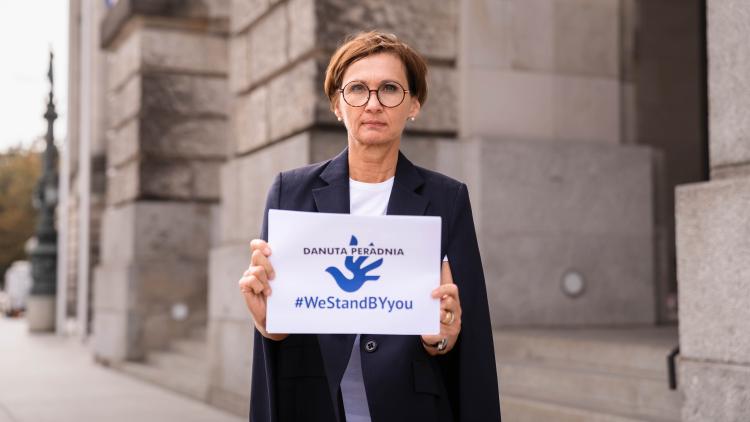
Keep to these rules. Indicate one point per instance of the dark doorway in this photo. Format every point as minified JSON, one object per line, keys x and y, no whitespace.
{"x":671,"y":113}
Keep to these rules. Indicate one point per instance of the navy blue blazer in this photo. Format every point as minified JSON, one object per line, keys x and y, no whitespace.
{"x":298,"y":378}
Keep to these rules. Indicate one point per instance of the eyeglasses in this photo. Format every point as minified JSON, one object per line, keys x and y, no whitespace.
{"x":390,"y":94}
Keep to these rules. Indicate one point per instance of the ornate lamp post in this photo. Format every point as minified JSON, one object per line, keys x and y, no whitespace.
{"x":41,"y":305}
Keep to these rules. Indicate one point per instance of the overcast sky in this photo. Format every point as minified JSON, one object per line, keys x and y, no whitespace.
{"x":28,"y":29}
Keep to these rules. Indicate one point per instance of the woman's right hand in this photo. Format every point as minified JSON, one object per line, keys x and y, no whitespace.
{"x":255,"y":286}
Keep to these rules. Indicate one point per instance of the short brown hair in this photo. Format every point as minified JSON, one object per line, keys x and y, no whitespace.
{"x":373,"y":42}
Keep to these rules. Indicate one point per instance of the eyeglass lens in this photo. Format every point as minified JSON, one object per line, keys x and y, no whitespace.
{"x":390,"y":94}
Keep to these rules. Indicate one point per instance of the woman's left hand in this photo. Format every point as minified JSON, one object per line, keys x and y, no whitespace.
{"x":450,"y":313}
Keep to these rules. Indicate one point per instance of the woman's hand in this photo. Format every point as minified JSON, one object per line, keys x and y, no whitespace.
{"x":450,"y":313}
{"x":255,"y":286}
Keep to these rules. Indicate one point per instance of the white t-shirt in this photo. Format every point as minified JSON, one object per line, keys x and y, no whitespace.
{"x":364,"y":199}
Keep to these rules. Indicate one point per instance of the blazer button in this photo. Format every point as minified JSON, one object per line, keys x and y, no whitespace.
{"x":371,"y":346}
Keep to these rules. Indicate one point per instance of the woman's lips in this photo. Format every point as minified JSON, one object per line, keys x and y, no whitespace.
{"x":373,"y":123}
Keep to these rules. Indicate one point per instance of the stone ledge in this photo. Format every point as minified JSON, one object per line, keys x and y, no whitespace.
{"x":207,"y":14}
{"x":431,"y":30}
{"x":732,"y":171}
{"x":201,"y":138}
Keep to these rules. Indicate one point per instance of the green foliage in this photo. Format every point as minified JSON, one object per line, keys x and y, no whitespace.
{"x":20,"y":170}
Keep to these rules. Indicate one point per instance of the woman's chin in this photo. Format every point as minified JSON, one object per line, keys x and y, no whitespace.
{"x":378,"y":140}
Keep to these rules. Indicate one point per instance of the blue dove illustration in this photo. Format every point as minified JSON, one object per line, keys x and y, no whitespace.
{"x":359,"y":273}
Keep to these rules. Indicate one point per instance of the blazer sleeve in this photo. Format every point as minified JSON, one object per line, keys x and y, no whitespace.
{"x":263,"y":384}
{"x":469,"y":368}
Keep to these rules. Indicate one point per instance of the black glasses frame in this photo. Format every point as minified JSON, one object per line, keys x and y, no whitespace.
{"x":377,"y":93}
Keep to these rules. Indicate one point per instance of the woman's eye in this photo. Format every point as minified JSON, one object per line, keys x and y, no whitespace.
{"x":357,"y":88}
{"x":389,"y":88}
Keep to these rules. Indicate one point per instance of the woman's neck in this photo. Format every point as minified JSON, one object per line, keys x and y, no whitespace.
{"x":372,"y":163}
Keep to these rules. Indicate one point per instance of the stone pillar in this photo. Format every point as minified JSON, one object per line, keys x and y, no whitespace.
{"x":713,"y":235}
{"x":280,"y":119}
{"x":166,"y":140}
{"x":559,"y":190}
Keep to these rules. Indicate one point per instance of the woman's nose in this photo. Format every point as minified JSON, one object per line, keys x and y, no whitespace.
{"x":373,"y":103}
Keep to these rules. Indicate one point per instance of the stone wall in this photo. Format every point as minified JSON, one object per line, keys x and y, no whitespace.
{"x":166,"y":139}
{"x":280,"y":119}
{"x":713,"y":236}
{"x":557,"y":187}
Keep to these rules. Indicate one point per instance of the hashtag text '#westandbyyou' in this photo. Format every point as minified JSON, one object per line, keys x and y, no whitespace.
{"x":368,"y":302}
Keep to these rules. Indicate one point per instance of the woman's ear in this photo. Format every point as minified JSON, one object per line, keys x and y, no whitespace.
{"x":337,"y":110}
{"x":414,"y":109}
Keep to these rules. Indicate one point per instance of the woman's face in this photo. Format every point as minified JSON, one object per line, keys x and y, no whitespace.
{"x":373,"y":123}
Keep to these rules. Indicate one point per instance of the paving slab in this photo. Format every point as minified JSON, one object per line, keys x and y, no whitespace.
{"x":44,"y":377}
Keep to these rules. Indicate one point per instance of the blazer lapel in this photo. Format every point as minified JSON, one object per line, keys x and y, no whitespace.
{"x":404,"y":200}
{"x":335,"y":196}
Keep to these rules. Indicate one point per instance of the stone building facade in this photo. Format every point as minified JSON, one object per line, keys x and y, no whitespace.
{"x":713,"y":235}
{"x":570,"y":120}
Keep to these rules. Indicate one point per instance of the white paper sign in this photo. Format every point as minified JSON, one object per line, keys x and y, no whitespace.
{"x":349,"y":274}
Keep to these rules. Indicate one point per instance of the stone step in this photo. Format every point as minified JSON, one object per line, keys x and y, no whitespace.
{"x":609,"y":391}
{"x":190,"y":347}
{"x":617,"y":372}
{"x":178,"y":363}
{"x":641,"y":351}
{"x":183,"y":368}
{"x":185,"y":383}
{"x":524,"y":409}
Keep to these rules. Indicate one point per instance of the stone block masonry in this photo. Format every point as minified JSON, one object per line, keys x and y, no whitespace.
{"x":713,"y":236}
{"x":167,"y":139}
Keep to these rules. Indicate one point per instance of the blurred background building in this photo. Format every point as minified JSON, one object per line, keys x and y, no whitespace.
{"x":572,"y":121}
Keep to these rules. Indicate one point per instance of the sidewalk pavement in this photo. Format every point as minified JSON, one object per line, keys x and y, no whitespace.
{"x":44,"y":378}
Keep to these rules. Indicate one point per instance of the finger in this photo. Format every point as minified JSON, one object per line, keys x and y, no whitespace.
{"x":257,"y":272}
{"x":446,"y":290}
{"x":431,"y":338}
{"x":244,"y":284}
{"x":445,"y":315}
{"x":260,"y":273}
{"x":256,"y":285}
{"x":258,"y":259}
{"x":449,"y":304}
{"x":251,"y":285}
{"x":260,"y":245}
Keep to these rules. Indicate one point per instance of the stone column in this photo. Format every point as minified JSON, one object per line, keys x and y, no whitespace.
{"x":559,"y":190}
{"x":713,"y":235}
{"x":166,"y":139}
{"x":280,"y":119}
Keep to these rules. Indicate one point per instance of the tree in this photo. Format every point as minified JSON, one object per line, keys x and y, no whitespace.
{"x":20,"y":170}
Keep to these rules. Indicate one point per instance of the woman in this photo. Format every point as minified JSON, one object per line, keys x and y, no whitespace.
{"x":376,"y":84}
